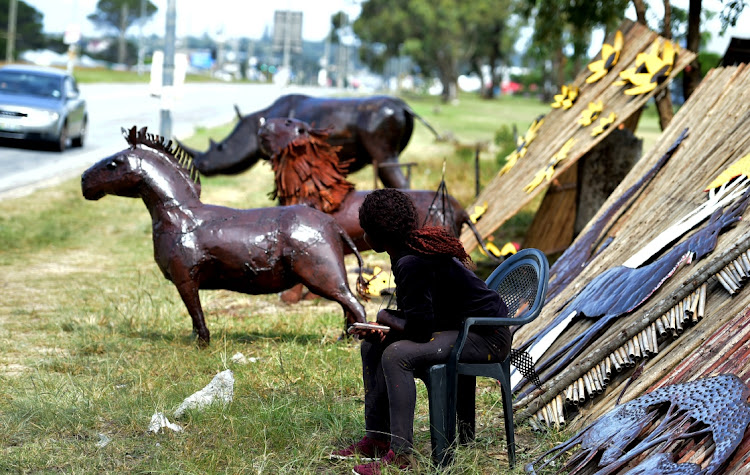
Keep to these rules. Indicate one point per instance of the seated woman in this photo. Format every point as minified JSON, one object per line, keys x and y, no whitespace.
{"x":435,"y":291}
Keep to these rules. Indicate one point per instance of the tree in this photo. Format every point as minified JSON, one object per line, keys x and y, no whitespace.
{"x":340,"y":27}
{"x":119,"y":16}
{"x":730,"y":13}
{"x":493,"y":36}
{"x":561,"y":25}
{"x":28,"y":27}
{"x":440,"y":36}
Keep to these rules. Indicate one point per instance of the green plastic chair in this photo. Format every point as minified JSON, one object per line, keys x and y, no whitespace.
{"x":521,"y":280}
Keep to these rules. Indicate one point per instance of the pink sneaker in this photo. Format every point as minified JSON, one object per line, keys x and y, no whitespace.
{"x":403,"y":462}
{"x":366,"y":450}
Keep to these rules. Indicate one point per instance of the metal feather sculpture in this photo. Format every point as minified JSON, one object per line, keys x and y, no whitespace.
{"x":622,"y":289}
{"x":577,"y":256}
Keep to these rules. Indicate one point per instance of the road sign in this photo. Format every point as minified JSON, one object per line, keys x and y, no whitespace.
{"x":287,"y":31}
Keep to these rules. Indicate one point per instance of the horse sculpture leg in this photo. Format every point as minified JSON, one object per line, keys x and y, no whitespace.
{"x":333,"y":286}
{"x":189,"y":293}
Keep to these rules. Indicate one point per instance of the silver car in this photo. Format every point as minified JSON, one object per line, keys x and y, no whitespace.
{"x":41,"y":104}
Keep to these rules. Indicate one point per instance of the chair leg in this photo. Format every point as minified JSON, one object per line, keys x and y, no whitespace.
{"x":507,"y":395}
{"x":437,"y":390}
{"x":466,"y":407}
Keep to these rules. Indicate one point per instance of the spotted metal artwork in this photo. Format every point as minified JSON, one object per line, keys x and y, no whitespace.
{"x":687,"y":428}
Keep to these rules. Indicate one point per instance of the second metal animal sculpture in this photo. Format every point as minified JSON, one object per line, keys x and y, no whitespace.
{"x":307,"y":171}
{"x":200,"y":246}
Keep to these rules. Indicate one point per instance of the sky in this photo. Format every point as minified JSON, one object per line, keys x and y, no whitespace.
{"x":223,"y":17}
{"x":196,"y":17}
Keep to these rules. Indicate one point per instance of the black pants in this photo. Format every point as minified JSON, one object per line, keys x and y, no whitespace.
{"x":388,"y":373}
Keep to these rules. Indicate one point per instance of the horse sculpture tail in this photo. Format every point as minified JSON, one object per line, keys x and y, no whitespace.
{"x":426,"y":124}
{"x":361,"y":282}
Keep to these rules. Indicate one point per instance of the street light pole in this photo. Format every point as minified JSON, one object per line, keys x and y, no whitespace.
{"x":167,"y":89}
{"x":142,"y":15}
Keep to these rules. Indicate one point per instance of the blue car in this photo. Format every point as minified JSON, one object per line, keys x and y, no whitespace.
{"x":41,"y":104}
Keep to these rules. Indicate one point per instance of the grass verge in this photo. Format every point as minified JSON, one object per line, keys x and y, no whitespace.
{"x":95,"y":340}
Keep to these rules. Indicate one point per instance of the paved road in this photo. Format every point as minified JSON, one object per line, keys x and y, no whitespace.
{"x":24,"y":167}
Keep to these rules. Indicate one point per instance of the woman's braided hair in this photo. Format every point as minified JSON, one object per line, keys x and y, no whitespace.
{"x":389,"y":215}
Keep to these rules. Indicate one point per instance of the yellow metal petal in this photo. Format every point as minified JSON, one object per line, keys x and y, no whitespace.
{"x":538,"y":179}
{"x":619,"y":41}
{"x":508,"y":248}
{"x":669,"y":53}
{"x":596,"y":76}
{"x":596,"y":66}
{"x":641,"y":89}
{"x":654,"y":63}
{"x":572,"y":93}
{"x":510,"y":161}
{"x":740,"y":167}
{"x":478,"y":212}
{"x":641,"y":79}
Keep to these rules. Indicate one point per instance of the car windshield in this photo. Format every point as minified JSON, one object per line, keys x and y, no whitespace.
{"x":29,"y":83}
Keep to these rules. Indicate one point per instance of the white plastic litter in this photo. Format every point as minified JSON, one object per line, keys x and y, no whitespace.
{"x":160,"y":421}
{"x":103,"y":440}
{"x":239,"y":358}
{"x":220,"y":389}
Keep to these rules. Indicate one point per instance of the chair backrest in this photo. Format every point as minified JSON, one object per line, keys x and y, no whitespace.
{"x":521,"y":281}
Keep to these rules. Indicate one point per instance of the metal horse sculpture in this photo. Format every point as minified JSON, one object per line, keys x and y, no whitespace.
{"x":200,"y":246}
{"x":308,"y":171}
{"x":654,"y":427}
{"x":369,"y":130}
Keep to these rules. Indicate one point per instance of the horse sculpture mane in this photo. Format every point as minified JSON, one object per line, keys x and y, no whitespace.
{"x":167,"y":149}
{"x":307,"y":171}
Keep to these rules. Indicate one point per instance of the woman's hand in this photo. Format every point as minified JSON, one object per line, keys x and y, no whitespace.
{"x":368,"y":334}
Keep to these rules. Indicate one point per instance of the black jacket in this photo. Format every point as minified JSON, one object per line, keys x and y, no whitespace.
{"x":436,"y":293}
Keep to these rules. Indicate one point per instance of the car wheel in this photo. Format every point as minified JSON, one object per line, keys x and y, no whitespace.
{"x":62,"y":139}
{"x":79,"y":141}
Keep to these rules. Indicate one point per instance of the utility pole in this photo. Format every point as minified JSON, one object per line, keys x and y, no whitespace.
{"x":10,"y":42}
{"x":141,"y":51}
{"x":167,"y":89}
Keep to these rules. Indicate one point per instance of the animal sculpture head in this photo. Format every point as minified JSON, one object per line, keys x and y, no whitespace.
{"x":126,"y":172}
{"x":307,"y":168}
{"x":236,"y":153}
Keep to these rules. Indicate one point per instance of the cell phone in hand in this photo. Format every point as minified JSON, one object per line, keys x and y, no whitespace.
{"x":369,"y":326}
